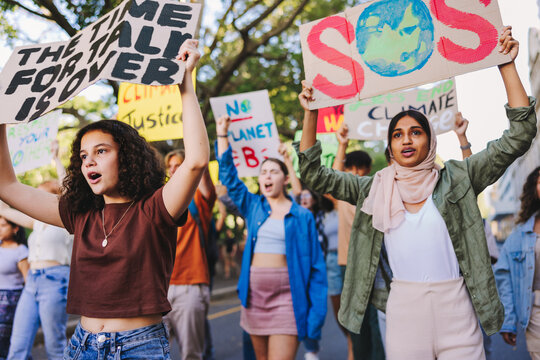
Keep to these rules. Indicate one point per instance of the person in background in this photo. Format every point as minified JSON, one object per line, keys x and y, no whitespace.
{"x":282,"y":283}
{"x":460,"y":129}
{"x":367,"y":344}
{"x":13,"y":270}
{"x":518,"y":271}
{"x":189,"y":290}
{"x":44,"y":297}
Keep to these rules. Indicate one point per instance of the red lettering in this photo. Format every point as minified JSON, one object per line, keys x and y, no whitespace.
{"x":124,"y":98}
{"x":334,"y":57}
{"x":249,"y":156}
{"x":137,"y":96}
{"x":464,"y":21}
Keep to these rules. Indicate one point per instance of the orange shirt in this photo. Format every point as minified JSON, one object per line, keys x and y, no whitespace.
{"x":190,"y":265}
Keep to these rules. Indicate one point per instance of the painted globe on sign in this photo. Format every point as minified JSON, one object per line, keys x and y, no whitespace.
{"x":395,"y":37}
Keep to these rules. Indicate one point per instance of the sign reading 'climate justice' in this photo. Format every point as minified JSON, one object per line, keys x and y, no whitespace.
{"x":136,"y":42}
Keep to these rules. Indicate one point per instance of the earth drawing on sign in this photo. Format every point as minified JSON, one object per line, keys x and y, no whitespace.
{"x":395,"y":37}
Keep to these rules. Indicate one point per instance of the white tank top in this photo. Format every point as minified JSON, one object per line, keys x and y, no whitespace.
{"x":420,"y":248}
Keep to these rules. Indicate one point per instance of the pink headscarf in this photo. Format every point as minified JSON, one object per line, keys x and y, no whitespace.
{"x":396,"y":184}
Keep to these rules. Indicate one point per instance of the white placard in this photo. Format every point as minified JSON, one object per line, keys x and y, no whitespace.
{"x":369,"y":119}
{"x":30,"y":144}
{"x":253,"y":134}
{"x":136,"y":42}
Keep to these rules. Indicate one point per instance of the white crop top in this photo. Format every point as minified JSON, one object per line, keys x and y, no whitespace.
{"x":420,"y":248}
{"x":271,"y":237}
{"x":49,"y":243}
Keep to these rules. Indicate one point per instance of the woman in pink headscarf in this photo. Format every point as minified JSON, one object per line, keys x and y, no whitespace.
{"x":441,"y":284}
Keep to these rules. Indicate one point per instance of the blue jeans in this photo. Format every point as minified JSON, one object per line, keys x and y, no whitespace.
{"x":146,"y":343}
{"x":311,"y":345}
{"x":43,"y":302}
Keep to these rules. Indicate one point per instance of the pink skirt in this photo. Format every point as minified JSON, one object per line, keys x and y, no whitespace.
{"x":270,"y":309}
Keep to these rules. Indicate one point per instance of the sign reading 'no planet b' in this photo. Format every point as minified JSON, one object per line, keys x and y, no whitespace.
{"x":388,"y":45}
{"x":136,"y":42}
{"x":253,"y":134}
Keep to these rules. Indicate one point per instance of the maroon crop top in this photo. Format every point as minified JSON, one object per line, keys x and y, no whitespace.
{"x":130,"y":276}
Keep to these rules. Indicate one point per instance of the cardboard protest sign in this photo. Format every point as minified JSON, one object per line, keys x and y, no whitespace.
{"x":30,"y":144}
{"x":388,"y":45}
{"x":253,"y":133}
{"x":213,"y":169}
{"x":369,"y":119}
{"x":136,"y":42}
{"x":329,"y":119}
{"x":329,"y":146}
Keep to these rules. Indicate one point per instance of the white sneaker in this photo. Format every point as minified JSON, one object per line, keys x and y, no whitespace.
{"x":311,"y":356}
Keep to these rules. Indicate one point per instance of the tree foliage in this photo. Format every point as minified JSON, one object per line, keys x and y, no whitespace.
{"x":248,"y":45}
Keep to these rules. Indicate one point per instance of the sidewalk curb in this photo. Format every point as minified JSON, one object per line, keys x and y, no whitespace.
{"x":217,"y":294}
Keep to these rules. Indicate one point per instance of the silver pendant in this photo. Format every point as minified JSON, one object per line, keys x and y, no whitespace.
{"x":104,"y":242}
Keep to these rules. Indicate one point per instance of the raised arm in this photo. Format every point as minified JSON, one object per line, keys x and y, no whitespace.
{"x":237,"y":190}
{"x":341,"y":185}
{"x":296,"y":185}
{"x":461,"y":131}
{"x":35,"y":203}
{"x":16,"y":216}
{"x":179,"y":190}
{"x":342,"y":136}
{"x":485,"y":167}
{"x":309,"y":129}
{"x":60,"y":169}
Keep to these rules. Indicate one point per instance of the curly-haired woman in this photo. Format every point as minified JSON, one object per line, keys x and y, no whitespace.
{"x":518,"y":270}
{"x":13,"y":270}
{"x":124,"y":221}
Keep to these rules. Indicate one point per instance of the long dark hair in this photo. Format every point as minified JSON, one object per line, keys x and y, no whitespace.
{"x":530,"y":198}
{"x":20,"y":235}
{"x":140,"y":171}
{"x":416,"y":115}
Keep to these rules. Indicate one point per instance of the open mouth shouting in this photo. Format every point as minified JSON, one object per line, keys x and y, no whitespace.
{"x":93,"y":177}
{"x":408,"y":152}
{"x":268,"y":187}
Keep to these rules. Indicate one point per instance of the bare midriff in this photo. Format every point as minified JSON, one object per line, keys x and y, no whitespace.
{"x":43,"y":264}
{"x":95,"y":325}
{"x":269,"y":260}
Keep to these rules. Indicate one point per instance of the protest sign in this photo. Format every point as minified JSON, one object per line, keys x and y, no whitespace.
{"x":30,"y":144}
{"x":213,"y":169}
{"x":369,"y":119}
{"x":388,"y":45}
{"x":136,"y":42}
{"x":329,"y":119}
{"x":154,"y":111}
{"x":329,"y":146}
{"x":253,"y":133}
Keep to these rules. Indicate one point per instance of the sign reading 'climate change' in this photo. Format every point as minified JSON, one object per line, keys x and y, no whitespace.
{"x":136,"y":42}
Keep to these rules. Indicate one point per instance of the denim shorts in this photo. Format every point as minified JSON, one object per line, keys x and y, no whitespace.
{"x":333,"y":272}
{"x":146,"y":343}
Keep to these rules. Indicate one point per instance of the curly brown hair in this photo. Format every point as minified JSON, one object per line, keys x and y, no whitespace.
{"x":530,"y":199}
{"x":140,"y":171}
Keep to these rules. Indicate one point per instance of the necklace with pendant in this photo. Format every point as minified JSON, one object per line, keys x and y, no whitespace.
{"x":105,"y":241}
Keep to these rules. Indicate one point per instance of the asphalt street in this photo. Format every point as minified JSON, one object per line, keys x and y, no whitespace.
{"x":224,"y":319}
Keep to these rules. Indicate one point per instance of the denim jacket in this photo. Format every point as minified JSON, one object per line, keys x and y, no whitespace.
{"x":305,"y":261}
{"x":455,"y":195}
{"x":514,"y":273}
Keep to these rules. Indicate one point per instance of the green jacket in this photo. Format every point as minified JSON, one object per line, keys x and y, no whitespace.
{"x":455,"y":195}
